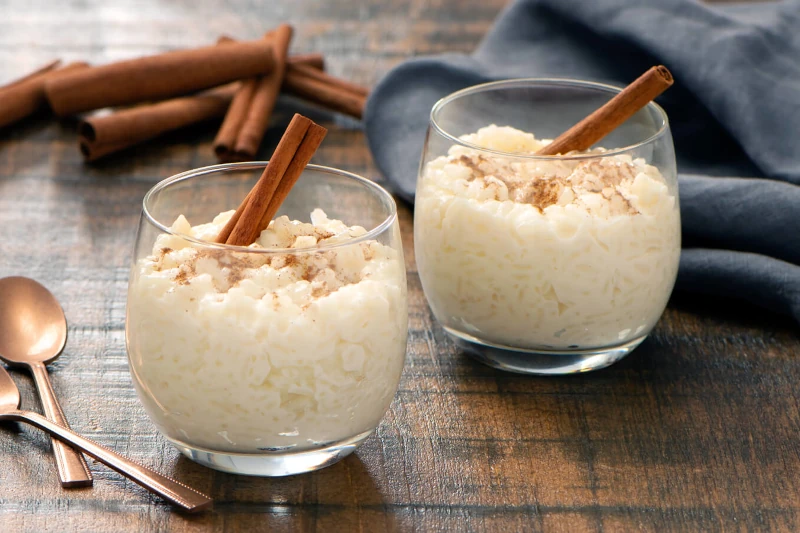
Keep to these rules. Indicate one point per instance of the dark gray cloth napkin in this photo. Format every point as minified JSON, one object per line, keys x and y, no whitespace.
{"x":734,"y":112}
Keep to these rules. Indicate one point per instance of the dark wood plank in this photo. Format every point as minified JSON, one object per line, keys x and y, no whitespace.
{"x":695,"y":431}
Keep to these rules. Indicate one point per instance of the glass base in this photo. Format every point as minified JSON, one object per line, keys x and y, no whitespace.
{"x":272,"y":464}
{"x":541,"y":362}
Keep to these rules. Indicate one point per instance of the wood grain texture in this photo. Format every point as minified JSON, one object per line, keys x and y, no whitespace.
{"x":697,"y":430}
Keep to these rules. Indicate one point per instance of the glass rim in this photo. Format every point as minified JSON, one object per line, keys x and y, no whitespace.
{"x":509,"y":83}
{"x":381,"y":193}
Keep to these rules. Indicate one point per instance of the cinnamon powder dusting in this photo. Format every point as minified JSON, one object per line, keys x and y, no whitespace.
{"x":315,"y":268}
{"x":233,"y":264}
{"x":542,"y":193}
{"x":318,"y":272}
{"x":185,"y":274}
{"x":474,"y":165}
{"x":533,"y":186}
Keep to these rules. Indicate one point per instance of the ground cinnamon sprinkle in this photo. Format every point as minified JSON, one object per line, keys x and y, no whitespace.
{"x":602,"y":176}
{"x":542,"y":193}
{"x":185,"y":274}
{"x":289,"y":260}
{"x":237,"y":267}
{"x":271,"y":265}
{"x":309,"y":273}
{"x":319,"y":291}
{"x":161,"y":255}
{"x":473,"y":165}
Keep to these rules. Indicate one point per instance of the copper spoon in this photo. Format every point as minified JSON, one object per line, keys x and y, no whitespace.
{"x":33,"y":331}
{"x":169,"y":489}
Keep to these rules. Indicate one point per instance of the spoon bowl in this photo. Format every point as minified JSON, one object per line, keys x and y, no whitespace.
{"x":33,"y":328}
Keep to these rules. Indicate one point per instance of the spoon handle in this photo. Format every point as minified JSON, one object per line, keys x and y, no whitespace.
{"x":169,"y":489}
{"x":72,"y":468}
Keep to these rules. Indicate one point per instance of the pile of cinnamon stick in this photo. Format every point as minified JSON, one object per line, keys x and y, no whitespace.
{"x":238,"y":82}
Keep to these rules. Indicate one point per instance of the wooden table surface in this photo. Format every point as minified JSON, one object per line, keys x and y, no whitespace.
{"x":697,"y":430}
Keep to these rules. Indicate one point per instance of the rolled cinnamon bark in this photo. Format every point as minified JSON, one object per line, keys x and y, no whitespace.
{"x":264,"y":97}
{"x":225,"y":141}
{"x":94,"y":151}
{"x":305,"y":151}
{"x":313,"y":60}
{"x":26,"y":95}
{"x":247,"y":226}
{"x":157,"y":77}
{"x":226,"y":136}
{"x":100,"y":136}
{"x":311,"y":141}
{"x":327,"y":92}
{"x":323,"y":77}
{"x":612,"y":114}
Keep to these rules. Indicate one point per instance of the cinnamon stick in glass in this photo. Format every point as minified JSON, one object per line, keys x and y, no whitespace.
{"x":246,"y":230}
{"x":103,"y":135}
{"x":305,"y":151}
{"x":611,"y":115}
{"x":293,"y":153}
{"x":157,"y":77}
{"x":26,"y":95}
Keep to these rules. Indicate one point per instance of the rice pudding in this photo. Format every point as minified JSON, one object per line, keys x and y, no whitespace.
{"x":544,"y":253}
{"x":248,"y":352}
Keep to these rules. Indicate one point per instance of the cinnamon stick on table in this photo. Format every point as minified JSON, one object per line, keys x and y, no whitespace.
{"x":325,"y":90}
{"x":312,"y":60}
{"x":102,"y":135}
{"x":306,"y":71}
{"x":611,"y":115}
{"x":294,"y":151}
{"x":226,"y":136}
{"x":264,"y":96}
{"x":26,"y":95}
{"x":247,"y":117}
{"x":157,"y":77}
{"x":225,"y":141}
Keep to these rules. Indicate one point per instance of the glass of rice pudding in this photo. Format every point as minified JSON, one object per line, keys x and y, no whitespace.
{"x":545,"y":264}
{"x":280,"y":357}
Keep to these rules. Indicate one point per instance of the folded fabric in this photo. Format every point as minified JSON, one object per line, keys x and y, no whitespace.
{"x":734,"y":111}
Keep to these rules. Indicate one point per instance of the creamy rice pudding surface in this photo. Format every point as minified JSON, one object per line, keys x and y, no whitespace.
{"x":545,"y":253}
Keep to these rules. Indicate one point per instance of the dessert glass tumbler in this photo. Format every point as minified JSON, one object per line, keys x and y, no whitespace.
{"x":545,"y":264}
{"x":274,"y":359}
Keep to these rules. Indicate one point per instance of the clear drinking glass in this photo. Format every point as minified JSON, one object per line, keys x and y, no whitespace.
{"x":538,"y":264}
{"x":230,"y":368}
